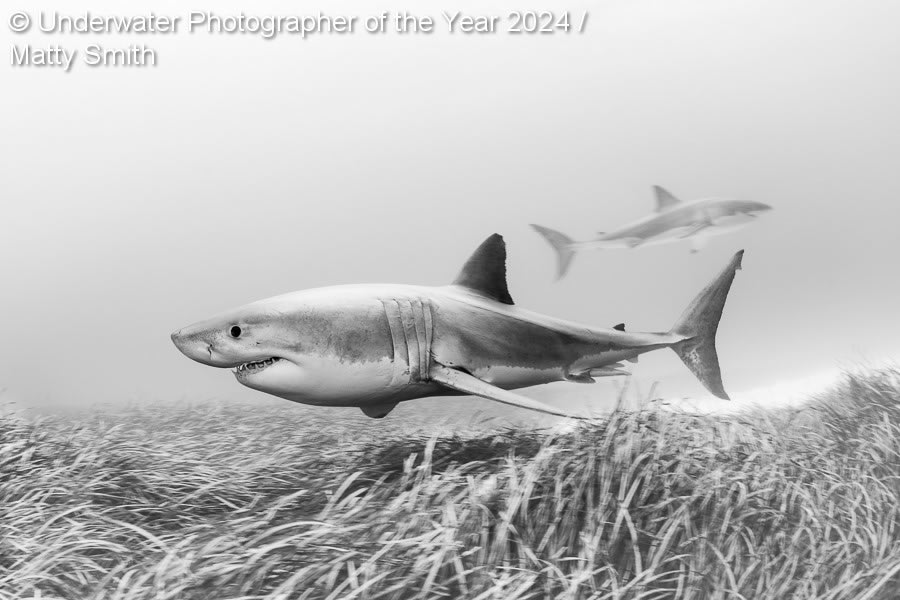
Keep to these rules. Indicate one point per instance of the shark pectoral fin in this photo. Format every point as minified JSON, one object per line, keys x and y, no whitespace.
{"x":378,"y":411}
{"x":469,"y":384}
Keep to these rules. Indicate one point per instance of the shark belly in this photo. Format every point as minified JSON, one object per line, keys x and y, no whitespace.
{"x":343,"y":383}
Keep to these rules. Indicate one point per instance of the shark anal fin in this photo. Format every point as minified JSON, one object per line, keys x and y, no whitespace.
{"x":469,"y":384}
{"x":664,"y":199}
{"x":485,"y":271}
{"x":378,"y":411}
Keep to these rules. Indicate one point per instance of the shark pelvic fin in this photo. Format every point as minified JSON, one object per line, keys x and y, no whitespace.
{"x":379,"y":411}
{"x":664,"y":200}
{"x":485,"y":271}
{"x":469,"y":384}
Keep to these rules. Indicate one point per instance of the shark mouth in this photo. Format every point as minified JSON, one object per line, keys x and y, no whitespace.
{"x":256,"y":366}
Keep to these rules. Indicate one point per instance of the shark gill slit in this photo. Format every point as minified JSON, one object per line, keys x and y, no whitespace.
{"x":407,"y":315}
{"x":411,"y":326}
{"x":400,"y":372}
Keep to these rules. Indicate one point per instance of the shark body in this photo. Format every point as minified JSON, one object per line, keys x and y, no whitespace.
{"x":373,"y":346}
{"x":673,"y":221}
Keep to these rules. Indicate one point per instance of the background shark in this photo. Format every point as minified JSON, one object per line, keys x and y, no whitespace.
{"x":673,"y":221}
{"x":373,"y":346}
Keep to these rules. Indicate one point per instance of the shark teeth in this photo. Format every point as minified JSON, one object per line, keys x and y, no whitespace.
{"x":256,"y":365}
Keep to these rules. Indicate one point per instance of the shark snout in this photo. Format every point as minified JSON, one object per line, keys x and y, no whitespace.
{"x":187,"y":343}
{"x":196,"y":346}
{"x":180,"y":339}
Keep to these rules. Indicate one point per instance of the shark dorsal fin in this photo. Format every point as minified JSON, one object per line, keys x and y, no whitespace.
{"x":619,"y":327}
{"x":664,"y":200}
{"x":485,"y":271}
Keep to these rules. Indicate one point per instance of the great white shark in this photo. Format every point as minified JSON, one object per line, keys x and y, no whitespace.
{"x":373,"y":346}
{"x":673,"y":221}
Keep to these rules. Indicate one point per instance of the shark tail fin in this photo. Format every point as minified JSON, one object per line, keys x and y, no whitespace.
{"x":563,"y":246}
{"x":698,"y":325}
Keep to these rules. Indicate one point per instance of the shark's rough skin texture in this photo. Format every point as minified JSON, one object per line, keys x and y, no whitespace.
{"x":673,"y":221}
{"x":373,"y":346}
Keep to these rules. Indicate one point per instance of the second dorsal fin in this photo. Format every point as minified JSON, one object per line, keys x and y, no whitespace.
{"x":485,"y":271}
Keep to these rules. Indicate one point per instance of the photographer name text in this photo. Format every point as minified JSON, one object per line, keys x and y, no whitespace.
{"x":266,"y":27}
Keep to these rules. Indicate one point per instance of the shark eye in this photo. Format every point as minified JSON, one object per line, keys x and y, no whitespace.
{"x":235,"y":331}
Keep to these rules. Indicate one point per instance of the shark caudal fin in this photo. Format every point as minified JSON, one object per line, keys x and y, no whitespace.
{"x":698,"y":325}
{"x":563,"y":246}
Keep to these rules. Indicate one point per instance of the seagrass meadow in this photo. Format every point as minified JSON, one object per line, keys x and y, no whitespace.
{"x":222,"y":502}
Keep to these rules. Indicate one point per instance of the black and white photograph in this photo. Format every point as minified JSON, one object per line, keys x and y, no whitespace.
{"x":450,"y":300}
